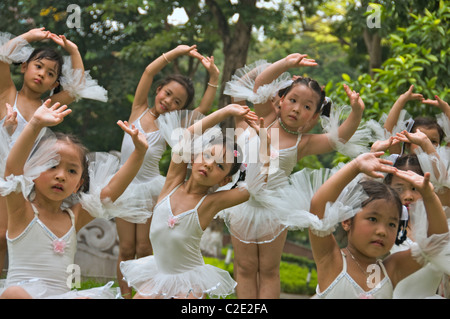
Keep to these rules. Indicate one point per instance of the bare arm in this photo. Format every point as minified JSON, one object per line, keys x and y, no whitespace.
{"x":141,"y":95}
{"x":326,"y":249}
{"x":271,"y":73}
{"x":210,"y":93}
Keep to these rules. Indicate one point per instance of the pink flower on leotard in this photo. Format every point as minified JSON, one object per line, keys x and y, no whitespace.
{"x":172,"y":221}
{"x":59,"y":245}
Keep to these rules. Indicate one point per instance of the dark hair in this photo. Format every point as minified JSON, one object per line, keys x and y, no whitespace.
{"x":185,"y":82}
{"x":52,"y":55}
{"x":376,"y":190}
{"x":405,"y":162}
{"x":313,"y":85}
{"x":233,"y":147}
{"x":83,"y":151}
{"x":429,"y":123}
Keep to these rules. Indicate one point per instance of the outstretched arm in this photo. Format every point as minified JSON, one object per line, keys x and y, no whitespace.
{"x":325,"y":249}
{"x":271,"y":73}
{"x":124,"y":176}
{"x":77,"y":64}
{"x":213,"y":84}
{"x":439,"y":103}
{"x":141,"y":96}
{"x":46,"y":115}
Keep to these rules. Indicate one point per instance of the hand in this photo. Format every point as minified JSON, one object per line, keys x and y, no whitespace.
{"x":356,"y":101}
{"x":47,"y":115}
{"x":10,"y":123}
{"x":409,"y":95}
{"x":264,"y":136}
{"x":37,"y":34}
{"x":66,"y":44}
{"x":212,"y":69}
{"x":299,"y":60}
{"x":381,"y":146}
{"x":438,"y":103}
{"x":371,"y":164}
{"x":242,"y":111}
{"x":418,"y":137}
{"x":421,"y":183}
{"x":188,"y":50}
{"x":139,"y":139}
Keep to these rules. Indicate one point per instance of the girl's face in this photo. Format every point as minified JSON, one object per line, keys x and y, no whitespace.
{"x":40,"y":75}
{"x":298,"y":107}
{"x":373,"y":230}
{"x":211,"y":168}
{"x":64,"y":179}
{"x":431,"y":133}
{"x":170,"y":97}
{"x":407,"y":192}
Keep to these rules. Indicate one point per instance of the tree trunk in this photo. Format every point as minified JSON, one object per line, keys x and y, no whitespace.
{"x":235,"y":42}
{"x":373,"y":45}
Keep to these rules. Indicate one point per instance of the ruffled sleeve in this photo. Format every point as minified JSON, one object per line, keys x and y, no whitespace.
{"x":134,"y":207}
{"x":14,"y":49}
{"x":434,"y":249}
{"x":444,"y":123}
{"x":346,"y":206}
{"x":174,"y":128}
{"x":241,"y":85}
{"x":438,"y":165}
{"x":357,"y":144}
{"x":80,"y":85}
{"x":43,"y":156}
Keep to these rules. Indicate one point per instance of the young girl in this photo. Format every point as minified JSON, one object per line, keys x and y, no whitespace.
{"x":370,"y":213}
{"x":43,"y":71}
{"x":428,"y":277}
{"x":259,"y":234}
{"x":174,"y":92}
{"x":184,"y":210}
{"x":427,"y":125}
{"x":41,"y":228}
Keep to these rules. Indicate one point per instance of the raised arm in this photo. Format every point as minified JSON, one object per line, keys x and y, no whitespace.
{"x":13,"y":48}
{"x":77,"y":64}
{"x":326,"y":251}
{"x":213,"y":83}
{"x":271,"y":73}
{"x":46,"y":115}
{"x":141,"y":96}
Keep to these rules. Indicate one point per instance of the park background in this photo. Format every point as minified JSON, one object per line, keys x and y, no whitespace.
{"x":378,"y":48}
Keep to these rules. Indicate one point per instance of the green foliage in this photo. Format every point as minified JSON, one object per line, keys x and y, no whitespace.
{"x":419,"y":56}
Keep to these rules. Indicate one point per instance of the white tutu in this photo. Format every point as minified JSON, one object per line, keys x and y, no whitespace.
{"x":438,"y":165}
{"x":270,"y":209}
{"x":241,"y":85}
{"x":80,"y":85}
{"x":16,"y":51}
{"x":357,"y":144}
{"x":42,"y":157}
{"x":133,"y":206}
{"x":404,"y":123}
{"x":434,"y":249}
{"x":37,"y":289}
{"x":444,"y":123}
{"x":144,"y":276}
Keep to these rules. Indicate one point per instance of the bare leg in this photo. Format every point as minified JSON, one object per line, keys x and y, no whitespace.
{"x":269,"y":267}
{"x":245,"y":269}
{"x":15,"y":292}
{"x":3,"y":228}
{"x":127,"y":251}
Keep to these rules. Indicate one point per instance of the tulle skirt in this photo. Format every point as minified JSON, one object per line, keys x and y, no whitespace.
{"x":38,"y":289}
{"x":149,"y":281}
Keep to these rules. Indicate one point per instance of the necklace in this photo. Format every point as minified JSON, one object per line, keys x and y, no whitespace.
{"x":285,"y":128}
{"x":150,"y":110}
{"x":357,"y":263}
